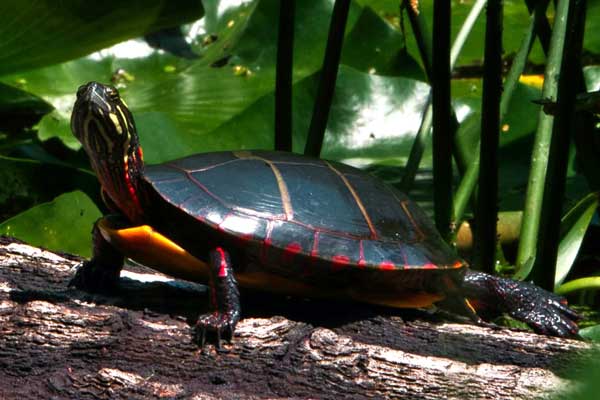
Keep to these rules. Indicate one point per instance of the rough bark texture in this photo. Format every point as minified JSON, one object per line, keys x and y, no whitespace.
{"x":59,"y":343}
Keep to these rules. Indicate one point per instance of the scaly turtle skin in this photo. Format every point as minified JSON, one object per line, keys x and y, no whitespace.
{"x":280,"y":222}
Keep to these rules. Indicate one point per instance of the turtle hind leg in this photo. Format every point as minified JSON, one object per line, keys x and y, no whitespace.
{"x":224,"y":300}
{"x":545,"y":312}
{"x":101,"y":273}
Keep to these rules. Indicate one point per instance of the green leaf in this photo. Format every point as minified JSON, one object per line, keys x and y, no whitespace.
{"x":573,"y":227}
{"x":384,"y":56}
{"x":39,"y":33}
{"x":25,"y":183}
{"x":15,"y":101}
{"x":372,"y":118}
{"x":56,"y":124}
{"x":63,"y":224}
{"x":591,"y":333}
{"x":592,"y":77}
{"x":188,"y":103}
{"x":20,"y":109}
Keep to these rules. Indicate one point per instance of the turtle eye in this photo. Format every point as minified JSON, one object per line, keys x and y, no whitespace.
{"x":112,"y":93}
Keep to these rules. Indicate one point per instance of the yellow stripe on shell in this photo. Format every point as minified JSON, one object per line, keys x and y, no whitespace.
{"x":356,"y":198}
{"x":283,"y":189}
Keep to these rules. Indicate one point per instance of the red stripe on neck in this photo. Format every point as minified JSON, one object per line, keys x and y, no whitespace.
{"x":132,"y":192}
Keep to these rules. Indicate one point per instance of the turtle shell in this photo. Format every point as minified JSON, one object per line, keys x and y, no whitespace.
{"x":284,"y":208}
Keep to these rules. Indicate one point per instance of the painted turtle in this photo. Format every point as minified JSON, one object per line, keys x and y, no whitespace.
{"x":280,"y":222}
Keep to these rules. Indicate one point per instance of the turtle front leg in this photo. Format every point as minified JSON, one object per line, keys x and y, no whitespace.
{"x":224,"y":300}
{"x":545,"y":312}
{"x":101,"y":273}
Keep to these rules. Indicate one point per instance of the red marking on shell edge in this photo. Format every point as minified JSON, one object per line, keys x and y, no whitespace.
{"x":293,"y":248}
{"x":429,"y":266}
{"x":290,"y":251}
{"x":362,"y":263}
{"x":339,"y":261}
{"x":387,"y":266}
{"x":246,"y":237}
{"x":223,"y":265}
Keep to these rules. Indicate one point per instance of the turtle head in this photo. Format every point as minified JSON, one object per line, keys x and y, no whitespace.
{"x":104,"y":125}
{"x":102,"y":122}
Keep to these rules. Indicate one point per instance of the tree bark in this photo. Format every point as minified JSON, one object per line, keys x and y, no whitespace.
{"x":57,"y":342}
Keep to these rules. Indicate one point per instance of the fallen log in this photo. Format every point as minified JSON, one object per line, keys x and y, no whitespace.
{"x":57,"y":342}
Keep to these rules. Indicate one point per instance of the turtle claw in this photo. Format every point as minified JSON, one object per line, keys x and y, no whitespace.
{"x":220,"y":323}
{"x":547,"y":313}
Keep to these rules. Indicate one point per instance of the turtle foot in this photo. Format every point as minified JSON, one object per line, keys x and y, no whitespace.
{"x":221,"y":324}
{"x":95,"y":278}
{"x":545,"y":312}
{"x":224,"y":300}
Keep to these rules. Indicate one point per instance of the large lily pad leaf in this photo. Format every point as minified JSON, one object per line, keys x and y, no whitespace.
{"x":182,"y":101}
{"x":63,"y":224}
{"x":39,"y":33}
{"x":371,"y":116}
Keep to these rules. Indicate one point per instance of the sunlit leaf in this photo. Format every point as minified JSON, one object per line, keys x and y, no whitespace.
{"x":63,"y":224}
{"x":591,"y":333}
{"x":185,"y":103}
{"x":56,"y":124}
{"x":573,"y":227}
{"x":38,"y":33}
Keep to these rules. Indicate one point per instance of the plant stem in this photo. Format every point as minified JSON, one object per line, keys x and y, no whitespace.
{"x":283,"y":78}
{"x":417,"y":148}
{"x":470,"y":177}
{"x":588,"y":153}
{"x":442,"y":138}
{"x":538,"y":15}
{"x":335,"y":40}
{"x":543,"y":30}
{"x":487,"y":202}
{"x":424,"y":41}
{"x":537,"y":176}
{"x":588,"y":283}
{"x":572,"y":14}
{"x":422,"y":37}
{"x":465,"y":30}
